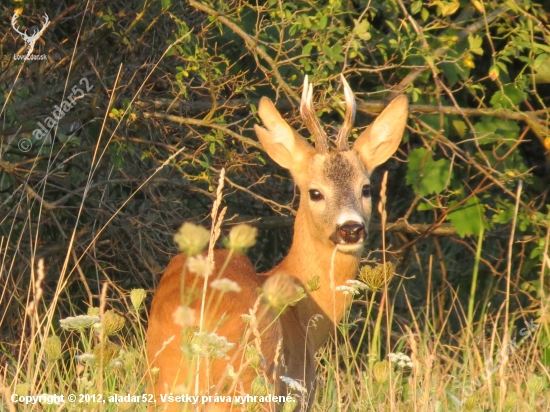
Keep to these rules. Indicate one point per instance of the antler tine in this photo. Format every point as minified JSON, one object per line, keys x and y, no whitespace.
{"x":14,"y":24}
{"x":342,"y":138}
{"x":311,"y":120}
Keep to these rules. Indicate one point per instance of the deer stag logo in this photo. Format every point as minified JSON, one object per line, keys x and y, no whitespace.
{"x":30,"y":40}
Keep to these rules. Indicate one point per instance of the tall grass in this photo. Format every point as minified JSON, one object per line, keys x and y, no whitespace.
{"x":377,"y":361}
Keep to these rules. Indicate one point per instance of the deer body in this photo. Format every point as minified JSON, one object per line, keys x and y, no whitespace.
{"x":329,"y":232}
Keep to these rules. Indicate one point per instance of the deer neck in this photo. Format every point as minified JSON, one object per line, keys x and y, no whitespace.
{"x":309,"y":257}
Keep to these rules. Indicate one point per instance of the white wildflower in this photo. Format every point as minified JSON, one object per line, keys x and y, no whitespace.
{"x":212,"y":345}
{"x":199,"y":265}
{"x":231,"y":372}
{"x":225,"y":285}
{"x":401,"y":359}
{"x":294,"y":385}
{"x":246,"y":318}
{"x":184,"y":316}
{"x":347,"y":290}
{"x":79,"y":322}
{"x":357,"y":284}
{"x":85,"y":357}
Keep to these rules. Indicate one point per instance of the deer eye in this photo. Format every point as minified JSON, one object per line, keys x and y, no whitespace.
{"x":366,"y":191}
{"x":315,"y":195}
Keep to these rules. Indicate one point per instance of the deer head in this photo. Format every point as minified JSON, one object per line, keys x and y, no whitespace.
{"x":335,"y":205}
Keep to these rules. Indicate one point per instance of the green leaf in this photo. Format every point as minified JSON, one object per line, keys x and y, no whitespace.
{"x":166,"y":3}
{"x":460,"y":127}
{"x":467,"y":218}
{"x":427,"y":176}
{"x":416,"y":6}
{"x":508,"y":97}
{"x":475,"y":43}
{"x":323,"y":21}
{"x":307,"y":49}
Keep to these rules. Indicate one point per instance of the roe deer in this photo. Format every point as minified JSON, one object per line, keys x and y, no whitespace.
{"x":329,"y":232}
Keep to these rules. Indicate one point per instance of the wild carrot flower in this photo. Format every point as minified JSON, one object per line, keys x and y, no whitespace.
{"x":280,"y":290}
{"x":137,"y":296}
{"x":184,"y":316}
{"x":381,"y":371}
{"x":52,"y":347}
{"x":536,"y":384}
{"x":199,"y":265}
{"x":401,"y":359}
{"x":225,"y":285}
{"x":346,"y":290}
{"x":211,"y":344}
{"x":242,"y":237}
{"x":79,"y":322}
{"x":112,"y":322}
{"x":378,"y":276}
{"x":293,"y":385}
{"x":192,"y":239}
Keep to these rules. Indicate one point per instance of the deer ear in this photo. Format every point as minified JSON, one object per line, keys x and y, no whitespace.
{"x":381,"y":139}
{"x":281,"y":142}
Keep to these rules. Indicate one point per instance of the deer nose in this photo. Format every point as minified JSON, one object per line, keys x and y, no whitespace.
{"x":351,"y":232}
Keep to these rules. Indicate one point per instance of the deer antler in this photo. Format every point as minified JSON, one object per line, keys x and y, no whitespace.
{"x":14,"y":24}
{"x":46,"y":20}
{"x":311,"y":120}
{"x":342,"y":138}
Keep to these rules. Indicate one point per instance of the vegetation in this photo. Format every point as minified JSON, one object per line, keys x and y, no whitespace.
{"x":122,"y":132}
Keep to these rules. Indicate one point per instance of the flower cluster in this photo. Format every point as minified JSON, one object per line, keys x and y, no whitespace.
{"x":401,"y":359}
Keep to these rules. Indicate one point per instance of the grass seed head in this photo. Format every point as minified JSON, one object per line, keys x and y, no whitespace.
{"x":192,"y":239}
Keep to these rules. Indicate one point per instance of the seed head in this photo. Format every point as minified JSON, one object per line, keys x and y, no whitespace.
{"x":106,"y":351}
{"x":280,"y":290}
{"x":314,"y":283}
{"x":52,"y":347}
{"x":137,"y":296}
{"x":259,"y":387}
{"x":22,"y":389}
{"x":253,"y":356}
{"x":112,"y":322}
{"x":511,"y":401}
{"x":93,"y":311}
{"x":381,"y":371}
{"x":472,"y":401}
{"x":536,"y":384}
{"x":242,"y":237}
{"x":375,"y":278}
{"x":192,"y":239}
